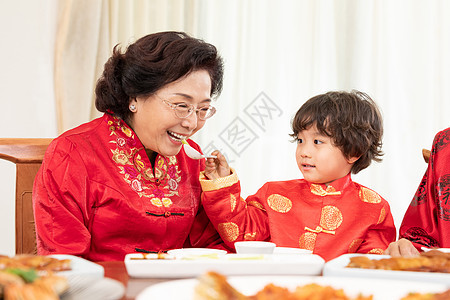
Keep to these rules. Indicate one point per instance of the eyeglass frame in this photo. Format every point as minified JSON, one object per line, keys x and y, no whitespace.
{"x":191,"y":109}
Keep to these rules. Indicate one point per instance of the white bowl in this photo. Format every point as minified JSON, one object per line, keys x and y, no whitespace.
{"x":287,"y":250}
{"x":254,"y":247}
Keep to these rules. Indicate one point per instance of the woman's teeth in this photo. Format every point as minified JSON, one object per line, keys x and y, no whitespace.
{"x":175,"y":136}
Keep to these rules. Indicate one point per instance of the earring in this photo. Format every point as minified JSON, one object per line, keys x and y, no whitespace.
{"x":133,"y":108}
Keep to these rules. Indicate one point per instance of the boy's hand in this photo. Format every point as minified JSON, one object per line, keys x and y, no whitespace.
{"x":217,"y":167}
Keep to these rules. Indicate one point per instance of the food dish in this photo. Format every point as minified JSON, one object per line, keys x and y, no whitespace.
{"x":249,"y":285}
{"x":287,"y":250}
{"x":227,"y":264}
{"x":338,"y":267}
{"x":69,"y":276}
{"x":86,"y":281}
{"x":188,"y":252}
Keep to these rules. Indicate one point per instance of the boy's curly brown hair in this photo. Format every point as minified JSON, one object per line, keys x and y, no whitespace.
{"x":351,"y":119}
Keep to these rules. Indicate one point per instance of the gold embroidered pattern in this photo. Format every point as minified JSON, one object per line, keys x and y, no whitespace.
{"x":219,"y":183}
{"x":307,"y":241}
{"x":228,"y":231}
{"x":166,"y":202}
{"x":256,"y":204}
{"x":250,"y":236}
{"x":279,"y":203}
{"x":382,"y":216}
{"x":376,"y":251}
{"x":354,"y":245}
{"x":137,"y":173}
{"x":318,"y":190}
{"x":319,"y":230}
{"x":232,"y":202}
{"x":331,"y":217}
{"x":369,"y":196}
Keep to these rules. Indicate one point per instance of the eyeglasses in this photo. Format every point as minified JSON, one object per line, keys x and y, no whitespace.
{"x":184,"y":110}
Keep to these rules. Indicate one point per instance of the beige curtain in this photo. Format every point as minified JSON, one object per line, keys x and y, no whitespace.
{"x":82,"y":47}
{"x":279,"y":53}
{"x":87,"y":32}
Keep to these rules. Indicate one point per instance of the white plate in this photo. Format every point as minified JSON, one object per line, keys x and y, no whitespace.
{"x":227,"y":264}
{"x":81,"y":266}
{"x":380,"y":289}
{"x":445,"y":250}
{"x":90,"y":288}
{"x":87,"y":282}
{"x":195,"y":252}
{"x":337,"y":267}
{"x":287,"y":250}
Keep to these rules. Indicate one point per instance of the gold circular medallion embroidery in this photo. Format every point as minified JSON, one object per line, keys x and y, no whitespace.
{"x":232,"y":202}
{"x":331,"y":217}
{"x":256,"y":204}
{"x":279,"y":203}
{"x":354,"y":245}
{"x":229,"y":231}
{"x":250,"y":236}
{"x":376,"y":251}
{"x":369,"y":196}
{"x":307,"y":240}
{"x":382,"y":216}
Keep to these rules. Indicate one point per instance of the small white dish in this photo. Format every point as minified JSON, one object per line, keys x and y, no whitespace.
{"x":288,"y":250}
{"x":254,"y":247}
{"x":445,"y":250}
{"x":196,"y":252}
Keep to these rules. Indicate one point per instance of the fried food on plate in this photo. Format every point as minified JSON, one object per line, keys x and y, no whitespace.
{"x":32,"y":277}
{"x":214,"y":286}
{"x":431,"y":261}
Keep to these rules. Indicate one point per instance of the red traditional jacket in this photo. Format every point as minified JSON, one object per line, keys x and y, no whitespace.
{"x":427,"y":220}
{"x":343,"y":217}
{"x":97,"y":196}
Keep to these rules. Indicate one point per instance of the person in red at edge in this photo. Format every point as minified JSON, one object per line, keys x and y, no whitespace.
{"x":337,"y":133}
{"x":427,"y":220}
{"x":122,"y":183}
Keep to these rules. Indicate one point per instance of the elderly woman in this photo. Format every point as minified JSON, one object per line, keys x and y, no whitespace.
{"x":122,"y":183}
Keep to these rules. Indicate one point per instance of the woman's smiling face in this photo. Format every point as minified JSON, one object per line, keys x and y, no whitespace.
{"x":155,"y":122}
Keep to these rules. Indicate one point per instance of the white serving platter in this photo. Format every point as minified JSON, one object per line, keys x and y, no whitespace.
{"x":445,"y":250}
{"x":337,"y":267}
{"x":250,"y":285}
{"x":86,"y":281}
{"x":228,"y":264}
{"x":80,"y":266}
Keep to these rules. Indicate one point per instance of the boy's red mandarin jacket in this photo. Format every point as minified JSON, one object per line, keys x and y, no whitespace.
{"x":97,"y":196}
{"x":343,"y":217}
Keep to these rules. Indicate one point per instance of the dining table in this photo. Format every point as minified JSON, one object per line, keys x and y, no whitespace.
{"x":133,"y":286}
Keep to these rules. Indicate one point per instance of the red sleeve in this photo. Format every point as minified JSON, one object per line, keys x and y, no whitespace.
{"x":381,"y":234}
{"x":427,"y":219}
{"x":59,"y":202}
{"x":234,"y":218}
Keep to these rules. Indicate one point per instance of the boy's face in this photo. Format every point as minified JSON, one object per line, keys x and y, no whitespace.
{"x":318,"y":159}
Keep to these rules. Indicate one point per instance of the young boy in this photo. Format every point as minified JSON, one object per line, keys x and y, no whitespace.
{"x":337,"y":133}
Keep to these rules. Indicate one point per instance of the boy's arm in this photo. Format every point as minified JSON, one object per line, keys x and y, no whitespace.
{"x":234,"y":218}
{"x":380,"y":234}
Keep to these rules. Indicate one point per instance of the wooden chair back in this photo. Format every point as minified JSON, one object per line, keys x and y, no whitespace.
{"x":426,"y":154}
{"x":27,"y":154}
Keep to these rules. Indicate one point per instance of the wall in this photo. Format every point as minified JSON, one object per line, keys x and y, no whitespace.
{"x":27,"y":90}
